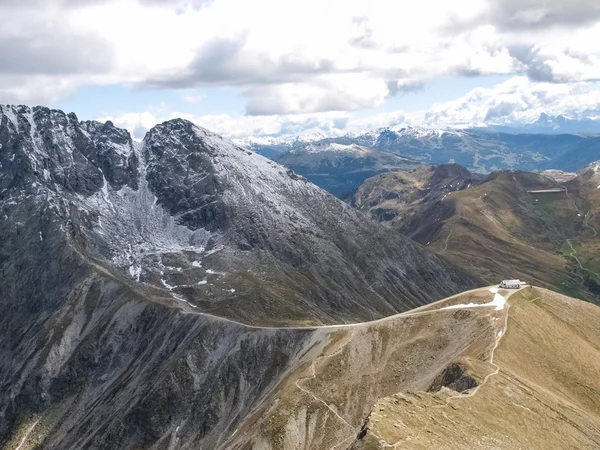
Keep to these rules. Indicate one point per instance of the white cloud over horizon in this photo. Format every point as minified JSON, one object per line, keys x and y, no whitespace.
{"x":518,"y":100}
{"x":306,"y":65}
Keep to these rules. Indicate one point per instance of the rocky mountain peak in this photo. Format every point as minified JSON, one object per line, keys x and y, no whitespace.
{"x":208,"y":222}
{"x":58,"y":151}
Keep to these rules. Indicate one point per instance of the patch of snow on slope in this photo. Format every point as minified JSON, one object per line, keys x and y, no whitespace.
{"x":9,"y":112}
{"x":138,"y":231}
{"x":499,"y":301}
{"x":253,"y":181}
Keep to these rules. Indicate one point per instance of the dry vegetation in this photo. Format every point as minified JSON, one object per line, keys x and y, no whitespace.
{"x":377,"y":386}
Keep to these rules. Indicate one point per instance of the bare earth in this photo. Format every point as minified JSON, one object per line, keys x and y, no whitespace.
{"x":371,"y":386}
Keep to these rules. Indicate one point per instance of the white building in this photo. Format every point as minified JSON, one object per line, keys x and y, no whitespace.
{"x":511,"y":284}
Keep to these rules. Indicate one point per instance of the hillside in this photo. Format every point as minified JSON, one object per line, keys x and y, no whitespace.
{"x":340,"y":169}
{"x":479,"y":150}
{"x":130,"y":273}
{"x":393,"y":195}
{"x":514,"y":375}
{"x":498,"y":229}
{"x":185,"y":292}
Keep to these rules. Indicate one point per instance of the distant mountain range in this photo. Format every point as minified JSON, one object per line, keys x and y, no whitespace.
{"x":546,"y":124}
{"x":341,"y":164}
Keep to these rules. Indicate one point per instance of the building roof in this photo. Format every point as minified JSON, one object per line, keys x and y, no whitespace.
{"x":512,"y":281}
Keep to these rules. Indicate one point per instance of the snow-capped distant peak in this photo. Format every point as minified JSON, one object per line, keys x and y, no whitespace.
{"x":256,"y":140}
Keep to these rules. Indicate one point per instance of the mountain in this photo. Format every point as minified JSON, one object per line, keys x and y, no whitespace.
{"x":496,"y":227}
{"x":547,"y":124}
{"x":141,"y":284}
{"x":338,"y":168}
{"x":480,"y":151}
{"x":455,"y":375}
{"x":393,"y":195}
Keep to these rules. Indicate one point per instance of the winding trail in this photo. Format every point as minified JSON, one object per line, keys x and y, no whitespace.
{"x":382,"y":441}
{"x":27,"y":433}
{"x":587,"y":225}
{"x":573,"y":253}
{"x":421,"y":310}
{"x":473,"y":391}
{"x":314,"y":375}
{"x":452,"y":227}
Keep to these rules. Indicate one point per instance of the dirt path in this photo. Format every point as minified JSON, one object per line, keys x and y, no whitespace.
{"x":585,"y":222}
{"x":27,"y":433}
{"x":573,"y":253}
{"x":497,"y":368}
{"x":470,"y":394}
{"x":485,"y":380}
{"x":314,"y":375}
{"x":452,"y":227}
{"x":421,"y":310}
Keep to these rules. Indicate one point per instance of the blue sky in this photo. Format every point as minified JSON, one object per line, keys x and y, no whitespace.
{"x":91,"y":102}
{"x":266,"y":67}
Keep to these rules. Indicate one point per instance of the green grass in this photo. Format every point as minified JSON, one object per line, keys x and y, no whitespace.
{"x":550,"y":203}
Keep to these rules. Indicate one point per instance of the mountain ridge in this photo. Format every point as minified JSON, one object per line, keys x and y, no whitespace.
{"x":538,"y":226}
{"x":479,"y":150}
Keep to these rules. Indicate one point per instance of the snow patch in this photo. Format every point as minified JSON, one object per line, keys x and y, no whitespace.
{"x":499,"y":301}
{"x":213,"y":272}
{"x":135,"y":272}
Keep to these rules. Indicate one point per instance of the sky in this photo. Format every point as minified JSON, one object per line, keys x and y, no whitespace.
{"x":288,"y":67}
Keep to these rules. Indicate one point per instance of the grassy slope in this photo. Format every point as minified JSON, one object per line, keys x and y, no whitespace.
{"x":545,"y":394}
{"x":497,"y":229}
{"x":500,"y":231}
{"x":375,"y":378}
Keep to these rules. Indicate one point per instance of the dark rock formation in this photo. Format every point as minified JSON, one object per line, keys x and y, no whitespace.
{"x":113,"y":252}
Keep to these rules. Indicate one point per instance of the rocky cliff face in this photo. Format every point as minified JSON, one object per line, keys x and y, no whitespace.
{"x":116,"y":256}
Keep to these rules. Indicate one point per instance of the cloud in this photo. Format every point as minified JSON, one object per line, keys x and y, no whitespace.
{"x":313,"y":57}
{"x":53,"y":52}
{"x":528,"y":14}
{"x":517,"y":100}
{"x":225,"y":61}
{"x":238,"y":127}
{"x":343,"y":92}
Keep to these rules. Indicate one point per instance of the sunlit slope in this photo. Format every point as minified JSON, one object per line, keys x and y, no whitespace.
{"x":545,"y":394}
{"x":502,"y":226}
{"x":514,"y":375}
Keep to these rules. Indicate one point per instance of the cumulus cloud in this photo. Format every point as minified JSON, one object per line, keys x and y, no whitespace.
{"x":238,"y":127}
{"x":53,"y":52}
{"x":517,"y":100}
{"x":332,"y":93}
{"x":518,"y":14}
{"x":293,"y":57}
